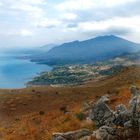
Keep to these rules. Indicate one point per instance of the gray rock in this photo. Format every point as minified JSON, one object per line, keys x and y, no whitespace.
{"x":101,"y":114}
{"x":120,"y":108}
{"x":139,"y":124}
{"x":105,"y":133}
{"x":85,"y":106}
{"x":127,"y":119}
{"x":128,"y":125}
{"x":58,"y":136}
{"x":87,"y":138}
{"x":134,"y":104}
{"x":72,"y":135}
{"x":121,"y":118}
{"x":134,"y":90}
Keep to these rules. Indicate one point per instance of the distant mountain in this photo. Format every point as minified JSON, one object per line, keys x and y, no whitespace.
{"x":47,"y":47}
{"x":88,"y":51}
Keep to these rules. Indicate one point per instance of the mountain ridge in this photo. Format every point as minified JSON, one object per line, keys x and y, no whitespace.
{"x":88,"y":51}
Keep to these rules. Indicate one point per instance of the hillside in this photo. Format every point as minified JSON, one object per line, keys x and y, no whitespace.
{"x":88,"y":51}
{"x":35,"y":113}
{"x":77,"y":74}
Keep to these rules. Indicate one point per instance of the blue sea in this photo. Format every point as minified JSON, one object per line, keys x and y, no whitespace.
{"x":16,"y":72}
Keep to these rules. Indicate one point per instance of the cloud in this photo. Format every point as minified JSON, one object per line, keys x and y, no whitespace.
{"x":41,"y":21}
{"x":1,"y":4}
{"x":28,"y":2}
{"x":68,"y":16}
{"x":70,"y":5}
{"x":119,"y":31}
{"x":25,"y":33}
{"x":17,"y":32}
{"x":116,"y":26}
{"x":72,"y":25}
{"x":49,"y":23}
{"x":34,"y":2}
{"x":87,"y":10}
{"x":27,"y":9}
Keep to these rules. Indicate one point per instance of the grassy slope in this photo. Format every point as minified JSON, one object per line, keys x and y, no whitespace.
{"x":19,"y":108}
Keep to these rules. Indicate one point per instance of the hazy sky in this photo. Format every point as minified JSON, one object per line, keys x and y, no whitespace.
{"x":38,"y":22}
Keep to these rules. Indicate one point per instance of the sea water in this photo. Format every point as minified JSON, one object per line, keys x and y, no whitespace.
{"x":16,"y":72}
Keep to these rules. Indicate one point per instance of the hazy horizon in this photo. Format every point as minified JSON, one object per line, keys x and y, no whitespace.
{"x":10,"y":49}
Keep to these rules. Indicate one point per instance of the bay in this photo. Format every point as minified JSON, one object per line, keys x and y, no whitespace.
{"x":15,"y":72}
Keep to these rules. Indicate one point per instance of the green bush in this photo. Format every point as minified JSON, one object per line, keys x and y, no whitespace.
{"x":80,"y":116}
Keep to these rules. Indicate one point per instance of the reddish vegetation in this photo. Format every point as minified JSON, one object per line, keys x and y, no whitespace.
{"x":35,"y":113}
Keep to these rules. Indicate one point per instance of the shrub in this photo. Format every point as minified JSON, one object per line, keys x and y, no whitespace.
{"x":17,"y":119}
{"x":80,"y":116}
{"x":63,"y":109}
{"x":41,"y":113}
{"x":33,"y":90}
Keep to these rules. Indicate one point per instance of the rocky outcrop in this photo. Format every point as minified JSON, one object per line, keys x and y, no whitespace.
{"x":121,"y":124}
{"x":101,"y":113}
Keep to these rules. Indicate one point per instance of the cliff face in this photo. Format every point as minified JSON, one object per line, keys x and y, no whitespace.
{"x":119,"y":124}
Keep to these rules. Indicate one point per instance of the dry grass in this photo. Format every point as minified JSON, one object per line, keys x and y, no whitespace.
{"x":35,"y":113}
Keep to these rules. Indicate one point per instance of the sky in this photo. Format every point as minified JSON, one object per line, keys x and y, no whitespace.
{"x":33,"y":23}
